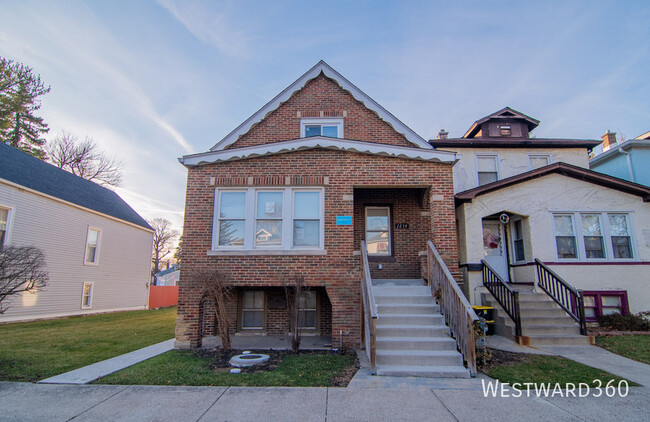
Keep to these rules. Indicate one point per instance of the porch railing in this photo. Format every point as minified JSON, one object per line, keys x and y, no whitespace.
{"x":568,"y":297}
{"x":459,"y":315}
{"x":370,"y":313}
{"x":507,"y":297}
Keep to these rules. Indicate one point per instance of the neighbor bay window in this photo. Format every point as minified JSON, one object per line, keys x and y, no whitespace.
{"x":600,"y":235}
{"x":268,"y":219}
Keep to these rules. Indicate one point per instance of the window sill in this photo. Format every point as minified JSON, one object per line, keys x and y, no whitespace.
{"x":253,"y":252}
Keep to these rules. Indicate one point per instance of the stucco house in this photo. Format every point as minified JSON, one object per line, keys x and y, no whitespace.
{"x":626,"y":160}
{"x":298,"y":189}
{"x":97,"y":248}
{"x":532,"y":216}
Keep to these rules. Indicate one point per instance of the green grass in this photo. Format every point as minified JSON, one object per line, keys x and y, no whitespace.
{"x":550,"y":369}
{"x":635,"y":347}
{"x":184,"y":367}
{"x":31,"y":351}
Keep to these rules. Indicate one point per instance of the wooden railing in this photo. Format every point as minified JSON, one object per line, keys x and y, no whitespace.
{"x":459,"y":315}
{"x":369,"y":310}
{"x":568,"y":297}
{"x":507,"y":297}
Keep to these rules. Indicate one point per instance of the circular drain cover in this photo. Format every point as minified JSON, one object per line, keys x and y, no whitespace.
{"x":244,"y":361}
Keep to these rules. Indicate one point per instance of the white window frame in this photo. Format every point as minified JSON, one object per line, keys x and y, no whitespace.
{"x":251,"y":217}
{"x":606,"y":233}
{"x":98,"y":248}
{"x":92,"y":291}
{"x":10,"y":223}
{"x":338,"y":122}
{"x":496,"y":160}
{"x":532,"y":156}
{"x":390,"y":229}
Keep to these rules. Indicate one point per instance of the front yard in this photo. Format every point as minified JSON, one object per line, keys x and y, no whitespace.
{"x":32,"y":351}
{"x":206,"y":367}
{"x":635,"y":347}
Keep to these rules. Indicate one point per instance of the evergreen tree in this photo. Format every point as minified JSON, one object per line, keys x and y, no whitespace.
{"x":19,"y":92}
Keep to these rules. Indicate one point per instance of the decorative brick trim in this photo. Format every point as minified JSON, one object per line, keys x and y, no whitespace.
{"x":294,"y":180}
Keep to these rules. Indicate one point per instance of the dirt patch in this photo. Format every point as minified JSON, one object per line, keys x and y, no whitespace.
{"x":501,"y":358}
{"x":602,"y":331}
{"x":346,"y":376}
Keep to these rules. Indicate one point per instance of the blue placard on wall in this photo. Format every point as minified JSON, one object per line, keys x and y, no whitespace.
{"x":343,"y":220}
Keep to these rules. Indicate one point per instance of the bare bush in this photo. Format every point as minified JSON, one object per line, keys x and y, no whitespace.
{"x":294,"y":286}
{"x":22,"y":269}
{"x":215,"y":285}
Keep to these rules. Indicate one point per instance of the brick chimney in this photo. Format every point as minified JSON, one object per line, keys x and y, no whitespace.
{"x":443,"y":134}
{"x":609,"y":140}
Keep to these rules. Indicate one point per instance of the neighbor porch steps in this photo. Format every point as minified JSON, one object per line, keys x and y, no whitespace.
{"x":543,"y":322}
{"x":412,"y":338}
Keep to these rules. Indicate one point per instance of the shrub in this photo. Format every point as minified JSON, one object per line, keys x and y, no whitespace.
{"x":625,"y":322}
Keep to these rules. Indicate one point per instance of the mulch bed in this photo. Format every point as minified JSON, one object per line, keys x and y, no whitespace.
{"x":602,"y":331}
{"x":500,"y":357}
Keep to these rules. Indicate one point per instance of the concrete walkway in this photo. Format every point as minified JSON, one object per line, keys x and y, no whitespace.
{"x":600,"y":358}
{"x":38,"y":402}
{"x":101,"y":369}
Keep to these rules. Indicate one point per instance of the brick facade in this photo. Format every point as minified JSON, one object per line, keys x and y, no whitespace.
{"x":421,"y":193}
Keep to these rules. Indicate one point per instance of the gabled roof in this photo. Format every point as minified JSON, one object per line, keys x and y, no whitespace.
{"x":22,"y":169}
{"x":312,"y":73}
{"x":626,"y":146}
{"x":504,"y":113}
{"x":318,"y":142}
{"x":562,"y":169}
{"x":169,"y":270}
{"x":645,"y":136}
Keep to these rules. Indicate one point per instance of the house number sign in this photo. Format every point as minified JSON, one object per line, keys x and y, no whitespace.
{"x":401,"y":225}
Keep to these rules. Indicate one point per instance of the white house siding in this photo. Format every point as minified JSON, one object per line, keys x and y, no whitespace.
{"x":512,"y":161}
{"x":120,"y":279}
{"x":536,"y":200}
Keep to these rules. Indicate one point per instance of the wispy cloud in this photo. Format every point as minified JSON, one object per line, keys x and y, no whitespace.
{"x":210,"y":26}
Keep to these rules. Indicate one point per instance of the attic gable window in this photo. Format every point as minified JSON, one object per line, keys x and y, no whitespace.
{"x":505,"y":130}
{"x":332,"y":128}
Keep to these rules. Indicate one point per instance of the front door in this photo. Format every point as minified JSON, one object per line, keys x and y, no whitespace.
{"x":494,"y":249}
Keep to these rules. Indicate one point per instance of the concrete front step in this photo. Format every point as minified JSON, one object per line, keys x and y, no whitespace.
{"x":423,"y":371}
{"x":569,"y":329}
{"x":416,"y":343}
{"x":398,"y":282}
{"x":559,"y":340}
{"x":411,"y":331}
{"x":547,"y":320}
{"x":403,"y":300}
{"x":419,"y":357}
{"x":402,"y":291}
{"x":410,"y":319}
{"x":404,"y":308}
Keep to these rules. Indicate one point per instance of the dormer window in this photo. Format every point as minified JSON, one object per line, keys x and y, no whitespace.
{"x":332,"y":128}
{"x":505,"y":130}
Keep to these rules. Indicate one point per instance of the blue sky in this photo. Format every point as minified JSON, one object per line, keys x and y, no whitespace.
{"x":151,"y":81}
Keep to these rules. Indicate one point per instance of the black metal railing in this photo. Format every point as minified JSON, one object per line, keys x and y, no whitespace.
{"x":568,"y":297}
{"x":507,"y":297}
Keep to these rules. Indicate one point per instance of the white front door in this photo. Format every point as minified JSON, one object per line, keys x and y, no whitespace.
{"x":494,"y":250}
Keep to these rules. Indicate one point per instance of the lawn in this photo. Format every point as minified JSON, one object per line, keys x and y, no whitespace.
{"x":635,"y":347}
{"x":521,"y":368}
{"x":185,"y":367}
{"x":31,"y":351}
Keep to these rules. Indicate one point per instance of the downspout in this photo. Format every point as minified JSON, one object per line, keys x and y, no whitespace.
{"x":629,"y":162}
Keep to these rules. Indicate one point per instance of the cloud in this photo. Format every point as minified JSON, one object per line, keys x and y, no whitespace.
{"x":209,"y":26}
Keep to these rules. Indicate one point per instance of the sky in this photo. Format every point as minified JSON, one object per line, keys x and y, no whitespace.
{"x":151,"y":81}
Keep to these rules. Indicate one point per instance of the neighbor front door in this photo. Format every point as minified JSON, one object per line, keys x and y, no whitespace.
{"x":494,"y":249}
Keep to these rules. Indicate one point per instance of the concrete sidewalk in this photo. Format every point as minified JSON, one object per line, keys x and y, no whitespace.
{"x":37,"y":402}
{"x":101,"y":369}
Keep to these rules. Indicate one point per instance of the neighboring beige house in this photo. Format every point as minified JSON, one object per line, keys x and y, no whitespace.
{"x":519,"y":199}
{"x":97,"y":248}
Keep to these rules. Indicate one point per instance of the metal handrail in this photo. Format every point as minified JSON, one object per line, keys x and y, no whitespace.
{"x":369,"y":310}
{"x":568,"y":297}
{"x":507,"y":297}
{"x":459,"y":315}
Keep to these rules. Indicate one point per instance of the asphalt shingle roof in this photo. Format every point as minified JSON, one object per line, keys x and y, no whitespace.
{"x":30,"y":172}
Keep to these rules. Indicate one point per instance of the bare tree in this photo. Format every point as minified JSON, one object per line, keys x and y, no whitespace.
{"x":294,"y":287}
{"x":215,"y":285}
{"x":84,"y":159}
{"x":22,"y":269}
{"x":163,"y":237}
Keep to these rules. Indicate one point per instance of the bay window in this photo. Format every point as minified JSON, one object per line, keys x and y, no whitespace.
{"x":268,"y":219}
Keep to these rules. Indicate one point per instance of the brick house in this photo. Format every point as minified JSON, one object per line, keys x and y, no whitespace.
{"x":294,"y":190}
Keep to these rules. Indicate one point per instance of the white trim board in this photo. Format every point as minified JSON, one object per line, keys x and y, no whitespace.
{"x":318,"y":142}
{"x":312,"y":73}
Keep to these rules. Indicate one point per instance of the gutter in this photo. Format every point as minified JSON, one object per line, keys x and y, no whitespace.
{"x":629,"y":162}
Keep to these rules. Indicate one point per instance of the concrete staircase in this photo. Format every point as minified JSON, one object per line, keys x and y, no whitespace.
{"x":543,"y":322}
{"x":412,"y":338}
